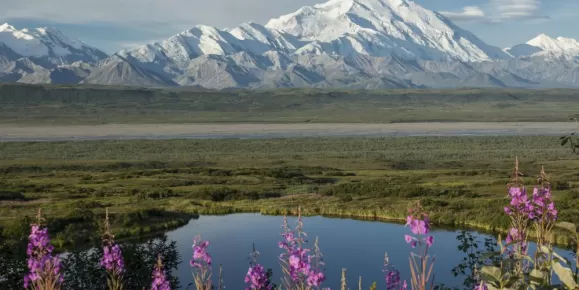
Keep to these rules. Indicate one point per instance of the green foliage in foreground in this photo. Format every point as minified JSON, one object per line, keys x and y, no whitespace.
{"x":55,"y":104}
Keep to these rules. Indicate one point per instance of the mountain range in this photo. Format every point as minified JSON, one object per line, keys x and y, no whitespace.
{"x":364,"y":44}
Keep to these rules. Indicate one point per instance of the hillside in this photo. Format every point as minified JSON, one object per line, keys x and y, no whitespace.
{"x":56,"y":104}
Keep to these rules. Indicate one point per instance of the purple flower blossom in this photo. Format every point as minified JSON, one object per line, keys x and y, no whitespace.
{"x":43,"y":267}
{"x":392,"y":276}
{"x":200,"y":255}
{"x":420,"y":228}
{"x":159,"y":277}
{"x":257,"y":278}
{"x":315,"y":278}
{"x":520,"y":203}
{"x":112,"y":259}
{"x":201,"y":263}
{"x":544,"y":207}
{"x":303,"y":270}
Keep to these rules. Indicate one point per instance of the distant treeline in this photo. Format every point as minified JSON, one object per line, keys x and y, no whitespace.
{"x":105,"y":104}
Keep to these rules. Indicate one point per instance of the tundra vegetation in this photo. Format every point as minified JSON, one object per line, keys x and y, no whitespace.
{"x":149,"y":186}
{"x":512,"y":267}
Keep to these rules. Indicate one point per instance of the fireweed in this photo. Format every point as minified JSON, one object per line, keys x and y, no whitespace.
{"x":160,"y":281}
{"x":300,"y":270}
{"x":44,"y":269}
{"x":112,"y":260}
{"x":392,"y":276}
{"x":520,"y":210}
{"x":420,"y":269}
{"x":201,"y":264}
{"x":515,"y":269}
{"x":257,"y":277}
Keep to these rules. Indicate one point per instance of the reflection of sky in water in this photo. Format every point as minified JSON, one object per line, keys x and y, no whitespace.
{"x":358,"y":246}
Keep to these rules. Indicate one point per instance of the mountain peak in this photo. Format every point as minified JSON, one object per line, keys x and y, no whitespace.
{"x":6,"y":27}
{"x":46,"y":42}
{"x":559,"y":44}
{"x":381,"y":28}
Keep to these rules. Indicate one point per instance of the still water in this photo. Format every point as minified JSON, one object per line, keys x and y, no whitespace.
{"x":358,"y":246}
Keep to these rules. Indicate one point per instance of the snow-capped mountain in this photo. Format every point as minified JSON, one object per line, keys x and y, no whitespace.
{"x":383,"y":28}
{"x":546,"y":46}
{"x":337,"y":27}
{"x":45,"y":45}
{"x":341,"y":43}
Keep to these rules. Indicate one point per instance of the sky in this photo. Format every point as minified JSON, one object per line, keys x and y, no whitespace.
{"x":112,"y":25}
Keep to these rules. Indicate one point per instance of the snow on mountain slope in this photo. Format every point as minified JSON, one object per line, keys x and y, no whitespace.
{"x":337,"y":27}
{"x":546,"y":46}
{"x":47,"y":42}
{"x":559,"y":44}
{"x":383,"y":27}
{"x":178,"y":50}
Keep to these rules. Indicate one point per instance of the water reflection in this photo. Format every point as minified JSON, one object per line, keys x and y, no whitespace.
{"x":356,"y":245}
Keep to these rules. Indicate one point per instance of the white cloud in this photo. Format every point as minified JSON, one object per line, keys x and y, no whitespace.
{"x":499,"y":10}
{"x":516,"y":9}
{"x":468,"y":13}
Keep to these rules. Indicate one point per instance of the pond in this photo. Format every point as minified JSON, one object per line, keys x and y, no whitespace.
{"x":356,"y":245}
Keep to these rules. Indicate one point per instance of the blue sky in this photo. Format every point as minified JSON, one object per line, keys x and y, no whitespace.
{"x":112,"y":25}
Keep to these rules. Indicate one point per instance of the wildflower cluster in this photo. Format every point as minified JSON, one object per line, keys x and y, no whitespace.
{"x":517,"y":270}
{"x":302,"y":270}
{"x":420,"y":227}
{"x":44,"y":269}
{"x":112,"y":259}
{"x":419,"y":224}
{"x":546,"y":214}
{"x":520,"y":210}
{"x":159,"y":277}
{"x":201,"y":264}
{"x":392,"y":276}
{"x":257,"y":277}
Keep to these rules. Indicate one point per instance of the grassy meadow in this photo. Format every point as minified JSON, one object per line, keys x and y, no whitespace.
{"x":155,"y":185}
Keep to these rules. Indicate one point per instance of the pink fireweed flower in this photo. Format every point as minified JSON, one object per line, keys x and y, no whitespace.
{"x":159,"y":277}
{"x":520,"y":203}
{"x":315,"y":278}
{"x":44,"y":269}
{"x":420,"y":228}
{"x":112,"y":259}
{"x":257,"y":277}
{"x":200,"y":256}
{"x":201,"y":264}
{"x":544,"y":207}
{"x":302,"y":267}
{"x":419,"y":224}
{"x":392,"y":276}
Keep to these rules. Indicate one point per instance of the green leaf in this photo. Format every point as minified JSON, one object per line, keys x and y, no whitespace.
{"x":491,"y":274}
{"x":570,"y":227}
{"x":565,"y":275}
{"x":489,"y":255}
{"x":564,"y":141}
{"x":537,"y":277}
